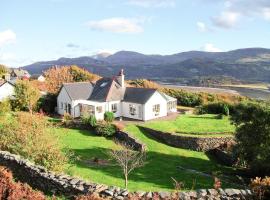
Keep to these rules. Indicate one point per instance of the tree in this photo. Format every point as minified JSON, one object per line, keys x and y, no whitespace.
{"x":80,"y":74}
{"x":55,"y":77}
{"x":3,"y":70}
{"x":128,"y":160}
{"x":252,"y":122}
{"x":26,"y":96}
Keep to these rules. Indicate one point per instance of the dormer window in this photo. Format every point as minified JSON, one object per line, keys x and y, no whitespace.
{"x":103,"y":84}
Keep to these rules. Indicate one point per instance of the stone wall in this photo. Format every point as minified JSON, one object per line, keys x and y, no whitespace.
{"x":186,"y":142}
{"x":127,"y":139}
{"x":39,"y":178}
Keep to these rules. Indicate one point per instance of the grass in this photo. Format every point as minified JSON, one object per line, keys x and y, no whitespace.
{"x":195,"y":125}
{"x":161,"y":165}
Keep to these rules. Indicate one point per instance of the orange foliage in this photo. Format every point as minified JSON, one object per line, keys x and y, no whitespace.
{"x":10,"y":190}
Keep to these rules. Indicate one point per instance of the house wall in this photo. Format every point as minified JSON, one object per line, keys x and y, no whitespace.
{"x":99,"y":116}
{"x":6,"y":90}
{"x":156,"y":98}
{"x":118,"y":113}
{"x":126,"y":113}
{"x":63,"y":97}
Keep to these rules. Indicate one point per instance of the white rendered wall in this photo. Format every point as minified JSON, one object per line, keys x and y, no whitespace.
{"x":6,"y":90}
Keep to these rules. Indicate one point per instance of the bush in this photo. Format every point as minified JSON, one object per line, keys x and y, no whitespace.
{"x":12,"y":190}
{"x":261,"y":187}
{"x":5,"y":106}
{"x":252,"y":121}
{"x":47,"y":103}
{"x":108,"y":116}
{"x":29,"y":136}
{"x":92,"y":121}
{"x":105,"y":129}
{"x":67,"y":119}
{"x":214,"y":108}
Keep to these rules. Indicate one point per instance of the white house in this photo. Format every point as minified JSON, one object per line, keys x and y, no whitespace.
{"x":6,"y":90}
{"x":111,"y":94}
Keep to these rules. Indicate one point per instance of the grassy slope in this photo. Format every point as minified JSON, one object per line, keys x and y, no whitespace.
{"x":200,"y":124}
{"x":162,"y":162}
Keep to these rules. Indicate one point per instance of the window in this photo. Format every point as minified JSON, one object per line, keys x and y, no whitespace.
{"x":87,"y":110}
{"x":62,"y":105}
{"x":66,"y":107}
{"x":114,"y":107}
{"x":172,"y":105}
{"x":156,"y":109}
{"x":132,"y":109}
{"x":99,"y":109}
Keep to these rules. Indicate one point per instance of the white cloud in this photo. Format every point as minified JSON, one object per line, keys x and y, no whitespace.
{"x":226,"y":19}
{"x":116,"y":25}
{"x":4,"y":57}
{"x":210,"y":48}
{"x":234,"y":10}
{"x":266,"y":13}
{"x":7,"y":37}
{"x":202,"y":27}
{"x":152,"y":3}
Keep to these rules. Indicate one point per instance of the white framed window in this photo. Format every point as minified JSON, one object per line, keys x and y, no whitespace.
{"x":132,"y":109}
{"x":156,"y":109}
{"x":66,"y":107}
{"x":114,"y":107}
{"x":99,"y":109}
{"x":61,"y":105}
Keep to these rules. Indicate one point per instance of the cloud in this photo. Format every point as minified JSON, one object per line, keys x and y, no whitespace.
{"x":226,"y":19}
{"x":116,"y":25}
{"x":7,"y":37}
{"x":72,"y":45}
{"x":210,"y":48}
{"x":202,"y":27}
{"x":234,"y":10}
{"x":152,"y":3}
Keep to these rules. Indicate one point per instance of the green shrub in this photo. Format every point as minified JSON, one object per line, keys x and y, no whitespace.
{"x":5,"y":106}
{"x":92,"y":121}
{"x":214,"y":108}
{"x":47,"y":103}
{"x":105,"y":129}
{"x":108,"y":116}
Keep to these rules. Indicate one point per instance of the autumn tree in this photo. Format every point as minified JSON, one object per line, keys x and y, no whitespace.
{"x":128,"y":160}
{"x":3,"y":70}
{"x":26,"y":95}
{"x":80,"y":74}
{"x":56,"y":76}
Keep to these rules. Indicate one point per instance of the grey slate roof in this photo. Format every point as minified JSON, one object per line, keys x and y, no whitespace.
{"x":138,"y":95}
{"x":79,"y":90}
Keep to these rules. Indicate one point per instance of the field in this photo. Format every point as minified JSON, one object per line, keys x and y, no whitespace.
{"x":201,"y":125}
{"x":163,"y":163}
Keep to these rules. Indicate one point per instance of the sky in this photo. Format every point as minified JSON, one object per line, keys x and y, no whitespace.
{"x":39,"y":30}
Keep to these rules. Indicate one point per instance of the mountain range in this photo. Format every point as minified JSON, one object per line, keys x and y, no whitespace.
{"x":250,"y":64}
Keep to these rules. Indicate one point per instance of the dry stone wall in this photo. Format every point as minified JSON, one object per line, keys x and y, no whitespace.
{"x":186,"y":142}
{"x":49,"y":182}
{"x":126,"y":139}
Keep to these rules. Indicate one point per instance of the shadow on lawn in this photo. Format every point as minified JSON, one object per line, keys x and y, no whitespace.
{"x":158,"y":169}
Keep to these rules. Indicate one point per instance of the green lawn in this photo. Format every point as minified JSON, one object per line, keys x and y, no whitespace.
{"x":161,"y":165}
{"x":199,"y":124}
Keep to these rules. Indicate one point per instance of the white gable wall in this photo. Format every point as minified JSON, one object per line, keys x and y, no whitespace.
{"x":155,"y":99}
{"x":63,"y":98}
{"x":139,"y":110}
{"x":6,"y":90}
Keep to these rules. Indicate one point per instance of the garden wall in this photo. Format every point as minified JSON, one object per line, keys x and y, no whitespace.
{"x":127,"y":139}
{"x":38,"y":178}
{"x":186,"y":142}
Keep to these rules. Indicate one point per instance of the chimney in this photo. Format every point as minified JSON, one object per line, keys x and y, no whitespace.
{"x":121,"y":78}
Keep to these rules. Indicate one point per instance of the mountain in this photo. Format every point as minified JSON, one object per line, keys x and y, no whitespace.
{"x":252,"y":64}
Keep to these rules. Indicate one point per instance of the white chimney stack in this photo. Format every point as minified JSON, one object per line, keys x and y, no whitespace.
{"x":121,"y":78}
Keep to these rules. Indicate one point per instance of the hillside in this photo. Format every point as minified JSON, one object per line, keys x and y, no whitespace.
{"x":252,"y":64}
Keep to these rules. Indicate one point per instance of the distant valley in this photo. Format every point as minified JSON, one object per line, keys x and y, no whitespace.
{"x":252,"y":65}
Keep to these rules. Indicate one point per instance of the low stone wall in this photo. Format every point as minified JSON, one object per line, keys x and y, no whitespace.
{"x":127,"y":139}
{"x":39,"y":178}
{"x":186,"y":142}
